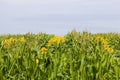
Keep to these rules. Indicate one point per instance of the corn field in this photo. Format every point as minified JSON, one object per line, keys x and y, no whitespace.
{"x":74,"y":56}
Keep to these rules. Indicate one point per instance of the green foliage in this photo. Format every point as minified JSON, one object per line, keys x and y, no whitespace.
{"x":76,"y":56}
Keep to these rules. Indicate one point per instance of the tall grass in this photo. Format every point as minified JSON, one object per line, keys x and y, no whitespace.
{"x":75,"y":56}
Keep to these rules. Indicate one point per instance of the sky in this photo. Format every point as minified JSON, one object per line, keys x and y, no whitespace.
{"x":59,"y":16}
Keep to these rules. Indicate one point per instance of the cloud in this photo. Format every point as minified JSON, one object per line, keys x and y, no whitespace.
{"x":34,"y":14}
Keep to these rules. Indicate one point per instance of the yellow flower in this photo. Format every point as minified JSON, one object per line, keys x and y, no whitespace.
{"x":37,"y":61}
{"x":22,"y":39}
{"x":56,"y":39}
{"x":109,"y":49}
{"x":98,"y":38}
{"x":11,"y":39}
{"x":7,"y":42}
{"x":44,"y":50}
{"x":104,"y":42}
{"x":49,"y":44}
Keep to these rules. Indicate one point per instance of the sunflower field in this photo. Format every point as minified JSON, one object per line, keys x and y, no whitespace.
{"x":74,"y":56}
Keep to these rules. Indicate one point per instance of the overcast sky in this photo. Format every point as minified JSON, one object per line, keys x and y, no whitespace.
{"x":59,"y":16}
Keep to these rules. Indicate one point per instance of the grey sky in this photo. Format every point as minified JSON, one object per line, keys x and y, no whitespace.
{"x":59,"y":16}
